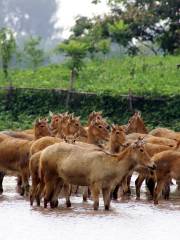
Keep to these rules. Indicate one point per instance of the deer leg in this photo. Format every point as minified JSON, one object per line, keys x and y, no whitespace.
{"x":128,"y":184}
{"x":125,"y":187}
{"x":19,"y":180}
{"x":39,"y":192}
{"x":49,"y":190}
{"x":95,"y":189}
{"x":115,"y":192}
{"x":138,"y":184}
{"x":35,"y":182}
{"x":20,"y":187}
{"x":25,"y":182}
{"x":2,"y":174}
{"x":76,"y":190}
{"x":150,"y":183}
{"x":67,"y":194}
{"x":106,"y":197}
{"x":166,"y":190}
{"x":158,"y":190}
{"x":85,"y":194}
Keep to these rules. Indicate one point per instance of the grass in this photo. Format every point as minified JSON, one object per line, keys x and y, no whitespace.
{"x":151,"y":75}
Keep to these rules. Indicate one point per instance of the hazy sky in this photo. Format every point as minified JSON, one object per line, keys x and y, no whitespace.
{"x":69,"y":9}
{"x":50,"y":19}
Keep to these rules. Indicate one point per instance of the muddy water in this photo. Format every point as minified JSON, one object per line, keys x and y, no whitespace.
{"x":128,"y":219}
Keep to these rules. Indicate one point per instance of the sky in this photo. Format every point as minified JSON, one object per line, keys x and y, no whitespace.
{"x":69,"y":9}
{"x":50,"y":19}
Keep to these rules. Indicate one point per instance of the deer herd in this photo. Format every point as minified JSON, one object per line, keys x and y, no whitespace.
{"x":101,"y":158}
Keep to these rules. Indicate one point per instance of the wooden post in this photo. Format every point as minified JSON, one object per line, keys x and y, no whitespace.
{"x":130,"y":98}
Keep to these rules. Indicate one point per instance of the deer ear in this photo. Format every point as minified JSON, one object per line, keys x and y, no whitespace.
{"x":93,"y":122}
{"x":71,"y":116}
{"x":113,"y":126}
{"x":51,"y":114}
{"x":139,"y":114}
{"x":92,"y":114}
{"x":78,"y":118}
{"x":136,"y":113}
{"x":39,"y":120}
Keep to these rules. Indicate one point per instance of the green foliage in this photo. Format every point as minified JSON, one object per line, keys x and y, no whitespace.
{"x":104,"y":46}
{"x":148,"y":21}
{"x":7,"y":48}
{"x":33,"y":53}
{"x":76,"y":51}
{"x":81,"y":24}
{"x":27,"y":105}
{"x":119,"y":32}
{"x":90,"y":31}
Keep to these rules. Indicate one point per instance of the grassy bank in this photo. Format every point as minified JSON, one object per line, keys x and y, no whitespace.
{"x":152,"y":75}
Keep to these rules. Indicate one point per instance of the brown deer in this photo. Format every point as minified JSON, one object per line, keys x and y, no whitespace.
{"x":73,"y":164}
{"x":14,"y":154}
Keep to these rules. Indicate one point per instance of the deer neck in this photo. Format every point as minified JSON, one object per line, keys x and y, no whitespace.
{"x":140,"y":127}
{"x":64,"y":129}
{"x":126,"y":157}
{"x":82,"y":132}
{"x":54,"y":132}
{"x":114,"y":146}
{"x":91,"y":138}
{"x":37,"y":135}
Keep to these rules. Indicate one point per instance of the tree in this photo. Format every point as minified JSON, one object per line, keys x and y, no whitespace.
{"x":75,"y":51}
{"x":147,"y":21}
{"x":7,"y":49}
{"x":35,"y":55}
{"x":91,"y":32}
{"x":82,"y":24}
{"x":104,"y":46}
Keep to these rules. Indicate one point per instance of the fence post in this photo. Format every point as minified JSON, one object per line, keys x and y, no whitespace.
{"x":130,"y":100}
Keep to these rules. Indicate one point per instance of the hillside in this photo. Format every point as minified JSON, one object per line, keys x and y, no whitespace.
{"x":152,"y":75}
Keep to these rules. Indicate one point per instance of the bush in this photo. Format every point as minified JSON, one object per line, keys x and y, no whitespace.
{"x":20,"y":110}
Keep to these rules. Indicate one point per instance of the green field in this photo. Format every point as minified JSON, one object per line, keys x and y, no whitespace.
{"x":150,"y":75}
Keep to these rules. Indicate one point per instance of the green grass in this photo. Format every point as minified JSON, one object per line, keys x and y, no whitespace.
{"x":151,"y":75}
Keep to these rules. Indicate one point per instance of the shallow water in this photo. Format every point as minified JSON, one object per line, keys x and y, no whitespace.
{"x":127,"y":219}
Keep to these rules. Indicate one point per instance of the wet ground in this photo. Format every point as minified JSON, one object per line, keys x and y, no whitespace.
{"x":127,"y":219}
